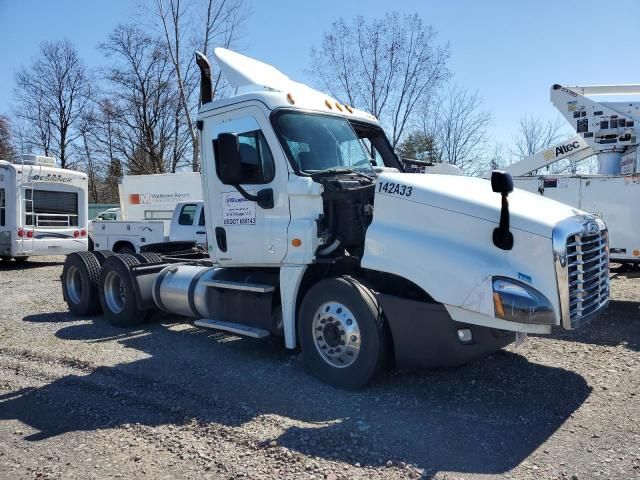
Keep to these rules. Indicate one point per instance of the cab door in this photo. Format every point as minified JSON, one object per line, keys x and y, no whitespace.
{"x":240,"y":232}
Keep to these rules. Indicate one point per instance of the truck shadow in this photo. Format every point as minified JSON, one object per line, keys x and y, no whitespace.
{"x":618,"y":325}
{"x":28,"y":265}
{"x":483,"y":418}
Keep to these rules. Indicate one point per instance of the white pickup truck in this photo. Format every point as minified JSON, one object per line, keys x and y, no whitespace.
{"x":187,"y":225}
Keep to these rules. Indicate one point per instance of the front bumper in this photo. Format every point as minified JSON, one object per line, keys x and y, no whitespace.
{"x":425,"y":336}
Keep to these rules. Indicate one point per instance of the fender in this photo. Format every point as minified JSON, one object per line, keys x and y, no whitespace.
{"x":451,"y":256}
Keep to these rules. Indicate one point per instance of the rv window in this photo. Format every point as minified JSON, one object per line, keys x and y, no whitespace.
{"x":2,"y":207}
{"x":51,"y":209}
{"x":201,"y":222}
{"x":187,"y":214}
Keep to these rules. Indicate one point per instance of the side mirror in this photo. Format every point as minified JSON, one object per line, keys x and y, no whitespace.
{"x":501,"y":182}
{"x":229,"y":165}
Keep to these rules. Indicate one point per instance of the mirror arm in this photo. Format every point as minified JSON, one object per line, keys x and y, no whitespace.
{"x":502,"y":237}
{"x":264,"y":198}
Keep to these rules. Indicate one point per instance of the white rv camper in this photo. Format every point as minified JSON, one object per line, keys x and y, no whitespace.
{"x":43,"y":209}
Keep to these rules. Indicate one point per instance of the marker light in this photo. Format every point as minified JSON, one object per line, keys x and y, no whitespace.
{"x":290,"y":99}
{"x":465,"y":335}
{"x":296,"y":242}
{"x":328,"y":104}
{"x":76,"y":234}
{"x":83,"y":233}
{"x":338,"y":106}
{"x":349,"y":109}
{"x":30,"y":234}
{"x":20,"y":233}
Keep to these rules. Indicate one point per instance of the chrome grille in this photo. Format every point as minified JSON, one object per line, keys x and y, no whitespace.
{"x":588,"y":273}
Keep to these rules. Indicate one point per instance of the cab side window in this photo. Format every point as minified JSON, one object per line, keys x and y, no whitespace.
{"x":258,"y":166}
{"x":187,"y":214}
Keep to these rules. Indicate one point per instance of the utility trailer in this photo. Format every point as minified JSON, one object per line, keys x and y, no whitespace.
{"x":316,"y":234}
{"x":43,"y":209}
{"x":154,"y":197}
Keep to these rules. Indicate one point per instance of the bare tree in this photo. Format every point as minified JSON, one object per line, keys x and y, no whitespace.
{"x":7,"y":150}
{"x":497,"y":156}
{"x":386,"y":66}
{"x":534,"y":135}
{"x":458,"y":124}
{"x":52,"y":94}
{"x":223,"y":22}
{"x":143,"y":100}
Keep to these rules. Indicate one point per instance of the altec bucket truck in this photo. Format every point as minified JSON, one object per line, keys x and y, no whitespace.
{"x":343,"y":254}
{"x":608,"y":130}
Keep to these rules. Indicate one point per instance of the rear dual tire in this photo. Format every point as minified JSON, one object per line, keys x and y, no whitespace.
{"x":117,"y":292}
{"x":80,"y":277}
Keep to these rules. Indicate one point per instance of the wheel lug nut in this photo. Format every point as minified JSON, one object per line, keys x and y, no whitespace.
{"x":349,"y":322}
{"x":353,"y":338}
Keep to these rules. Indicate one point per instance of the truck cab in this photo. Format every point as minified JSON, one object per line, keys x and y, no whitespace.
{"x":317,"y":234}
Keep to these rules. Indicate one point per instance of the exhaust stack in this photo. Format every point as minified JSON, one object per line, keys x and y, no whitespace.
{"x":206,"y":93}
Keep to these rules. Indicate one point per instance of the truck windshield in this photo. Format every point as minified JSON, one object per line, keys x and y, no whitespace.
{"x":317,"y":143}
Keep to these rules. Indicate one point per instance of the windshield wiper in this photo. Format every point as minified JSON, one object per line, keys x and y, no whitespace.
{"x":339,"y":170}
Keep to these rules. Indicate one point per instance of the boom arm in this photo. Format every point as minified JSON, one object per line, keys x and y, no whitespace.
{"x":576,"y":149}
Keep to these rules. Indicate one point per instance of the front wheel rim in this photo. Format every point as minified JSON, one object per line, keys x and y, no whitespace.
{"x":74,"y":284}
{"x":114,"y":292}
{"x":336,"y":334}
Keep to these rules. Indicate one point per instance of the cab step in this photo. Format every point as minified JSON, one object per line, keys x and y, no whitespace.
{"x":237,"y":328}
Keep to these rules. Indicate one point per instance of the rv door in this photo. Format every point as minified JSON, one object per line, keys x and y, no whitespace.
{"x":27,"y":219}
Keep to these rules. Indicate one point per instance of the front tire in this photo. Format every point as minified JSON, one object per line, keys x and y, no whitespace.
{"x":342,"y":332}
{"x":117,"y":294}
{"x":21,"y":259}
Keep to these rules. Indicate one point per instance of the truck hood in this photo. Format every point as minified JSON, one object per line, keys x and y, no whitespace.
{"x":473,"y":196}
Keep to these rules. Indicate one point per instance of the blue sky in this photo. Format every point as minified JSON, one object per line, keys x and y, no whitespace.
{"x":510,"y":51}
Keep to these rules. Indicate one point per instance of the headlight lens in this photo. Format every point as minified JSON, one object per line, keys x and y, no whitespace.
{"x":518,"y":302}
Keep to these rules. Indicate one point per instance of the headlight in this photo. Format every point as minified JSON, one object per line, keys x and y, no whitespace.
{"x":518,"y":302}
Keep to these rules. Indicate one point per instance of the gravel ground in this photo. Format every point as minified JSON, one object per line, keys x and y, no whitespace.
{"x":82,"y":399}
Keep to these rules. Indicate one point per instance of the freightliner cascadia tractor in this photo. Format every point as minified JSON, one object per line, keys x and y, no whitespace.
{"x":317,"y":235}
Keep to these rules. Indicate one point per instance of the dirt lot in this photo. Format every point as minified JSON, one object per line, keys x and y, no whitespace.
{"x":82,"y":399}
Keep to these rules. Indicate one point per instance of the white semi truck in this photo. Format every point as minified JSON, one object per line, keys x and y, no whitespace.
{"x":607,"y":130}
{"x":346,"y":257}
{"x":43,"y":209}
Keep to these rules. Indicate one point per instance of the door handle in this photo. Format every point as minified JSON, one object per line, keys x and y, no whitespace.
{"x":201,"y":233}
{"x":221,"y":239}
